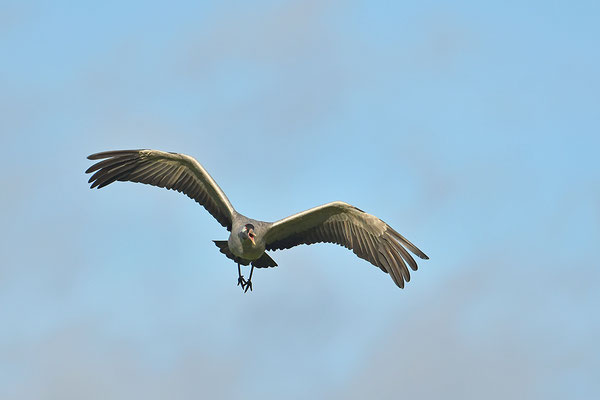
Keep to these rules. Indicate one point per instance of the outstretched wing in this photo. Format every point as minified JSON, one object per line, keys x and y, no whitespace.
{"x":366,"y":235}
{"x":169,"y":170}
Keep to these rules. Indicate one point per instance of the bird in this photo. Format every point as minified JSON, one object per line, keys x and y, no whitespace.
{"x":369,"y":237}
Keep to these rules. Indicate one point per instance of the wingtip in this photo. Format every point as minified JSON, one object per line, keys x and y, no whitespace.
{"x":96,"y":156}
{"x":112,"y":153}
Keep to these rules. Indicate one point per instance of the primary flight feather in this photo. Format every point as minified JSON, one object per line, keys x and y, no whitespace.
{"x":366,"y":235}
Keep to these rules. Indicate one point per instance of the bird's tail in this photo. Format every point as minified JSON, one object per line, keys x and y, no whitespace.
{"x":224,"y":248}
{"x":265,"y":261}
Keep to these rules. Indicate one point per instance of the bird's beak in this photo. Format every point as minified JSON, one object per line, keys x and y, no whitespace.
{"x":251,"y":236}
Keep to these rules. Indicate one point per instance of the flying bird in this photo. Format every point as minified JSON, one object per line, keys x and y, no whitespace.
{"x":366,"y":235}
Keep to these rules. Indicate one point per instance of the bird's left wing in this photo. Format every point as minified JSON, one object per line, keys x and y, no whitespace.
{"x":366,"y":235}
{"x":169,"y":170}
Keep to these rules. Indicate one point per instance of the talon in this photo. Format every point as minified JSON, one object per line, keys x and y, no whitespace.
{"x":241,"y":281}
{"x":248,"y":286}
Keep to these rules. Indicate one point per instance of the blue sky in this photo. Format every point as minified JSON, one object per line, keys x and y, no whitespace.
{"x":471,"y":128}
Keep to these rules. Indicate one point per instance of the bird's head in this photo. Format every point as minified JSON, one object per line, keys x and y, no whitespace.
{"x":248,"y":233}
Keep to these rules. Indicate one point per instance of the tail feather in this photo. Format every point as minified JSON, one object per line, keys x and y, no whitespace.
{"x":265,"y":261}
{"x":224,"y":248}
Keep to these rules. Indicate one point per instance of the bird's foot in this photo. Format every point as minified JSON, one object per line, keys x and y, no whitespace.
{"x":241,"y":281}
{"x":248,"y":286}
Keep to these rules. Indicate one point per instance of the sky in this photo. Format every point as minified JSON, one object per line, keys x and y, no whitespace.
{"x":472,"y":128}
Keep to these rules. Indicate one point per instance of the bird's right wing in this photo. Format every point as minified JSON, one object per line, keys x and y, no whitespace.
{"x":366,"y":235}
{"x":169,"y":170}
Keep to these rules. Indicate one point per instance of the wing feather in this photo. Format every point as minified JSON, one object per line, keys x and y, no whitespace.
{"x":366,"y":235}
{"x":397,"y":266}
{"x":401,"y":265}
{"x":168,"y":170}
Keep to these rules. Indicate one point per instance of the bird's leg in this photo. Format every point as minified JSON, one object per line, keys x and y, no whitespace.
{"x":249,"y":281}
{"x":241,"y":280}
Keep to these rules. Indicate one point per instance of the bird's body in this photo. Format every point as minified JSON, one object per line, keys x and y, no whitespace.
{"x":366,"y":235}
{"x":246,"y":249}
